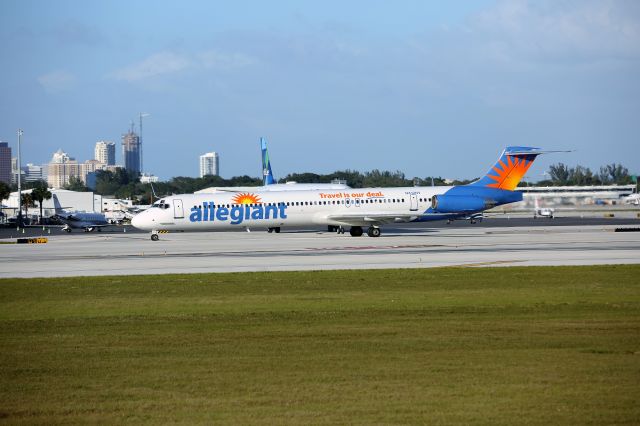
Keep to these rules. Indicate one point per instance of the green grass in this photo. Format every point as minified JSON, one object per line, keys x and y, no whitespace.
{"x":438,"y":346}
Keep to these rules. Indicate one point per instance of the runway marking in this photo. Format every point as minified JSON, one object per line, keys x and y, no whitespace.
{"x":493,"y":263}
{"x":354,"y":248}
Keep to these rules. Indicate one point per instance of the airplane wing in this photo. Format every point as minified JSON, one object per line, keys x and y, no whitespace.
{"x":228,"y":190}
{"x":372,"y":218}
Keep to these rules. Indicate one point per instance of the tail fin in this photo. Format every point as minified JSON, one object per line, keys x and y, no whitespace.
{"x":153,"y":192}
{"x":267,"y":174}
{"x":56,"y":204}
{"x":510,"y":168}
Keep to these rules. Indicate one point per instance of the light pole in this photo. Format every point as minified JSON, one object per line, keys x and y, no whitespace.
{"x":142,"y":115}
{"x":19,"y":179}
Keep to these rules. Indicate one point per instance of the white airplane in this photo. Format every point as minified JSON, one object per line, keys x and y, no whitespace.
{"x":353,"y":207}
{"x":269,"y":183}
{"x":542,"y":211}
{"x":76,"y":219}
{"x":633,"y":199}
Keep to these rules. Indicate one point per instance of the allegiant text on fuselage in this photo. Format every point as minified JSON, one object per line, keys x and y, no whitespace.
{"x":209,"y":212}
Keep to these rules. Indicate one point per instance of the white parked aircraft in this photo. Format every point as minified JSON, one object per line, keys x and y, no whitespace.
{"x":542,"y":211}
{"x":356,"y":208}
{"x":633,"y":199}
{"x":77,"y":219}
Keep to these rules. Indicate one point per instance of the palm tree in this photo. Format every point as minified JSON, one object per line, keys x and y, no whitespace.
{"x":27,"y":201}
{"x":40,"y":193}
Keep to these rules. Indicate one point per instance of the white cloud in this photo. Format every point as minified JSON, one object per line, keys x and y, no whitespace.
{"x":157,"y":64}
{"x":166,"y":63}
{"x":580,"y":29}
{"x":214,"y":59}
{"x":57,"y":81}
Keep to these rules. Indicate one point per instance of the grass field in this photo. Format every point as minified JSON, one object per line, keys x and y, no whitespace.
{"x":439,"y":346}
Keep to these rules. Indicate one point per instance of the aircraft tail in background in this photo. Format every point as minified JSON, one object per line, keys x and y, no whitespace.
{"x":267,"y":174}
{"x":56,"y":205}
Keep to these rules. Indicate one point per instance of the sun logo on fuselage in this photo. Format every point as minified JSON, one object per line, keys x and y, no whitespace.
{"x":246,"y":198}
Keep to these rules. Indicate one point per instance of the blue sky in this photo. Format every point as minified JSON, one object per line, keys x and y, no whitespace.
{"x":425,"y":87}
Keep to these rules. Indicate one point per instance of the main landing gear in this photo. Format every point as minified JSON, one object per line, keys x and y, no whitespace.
{"x":357,"y":231}
{"x":373,"y":231}
{"x":275,"y":229}
{"x":154,"y":236}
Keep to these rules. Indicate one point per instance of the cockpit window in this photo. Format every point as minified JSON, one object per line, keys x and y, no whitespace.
{"x":161,"y":204}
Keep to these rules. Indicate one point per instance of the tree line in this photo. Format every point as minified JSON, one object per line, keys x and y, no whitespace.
{"x":612,"y":174}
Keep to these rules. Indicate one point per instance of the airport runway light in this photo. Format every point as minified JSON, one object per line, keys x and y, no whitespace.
{"x":142,"y":115}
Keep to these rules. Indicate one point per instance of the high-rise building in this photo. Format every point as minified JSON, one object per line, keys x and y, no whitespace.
{"x":33,"y":173}
{"x":5,"y":163}
{"x":105,"y":152}
{"x":90,"y":166}
{"x":61,"y":169}
{"x":209,"y":164}
{"x":131,"y":151}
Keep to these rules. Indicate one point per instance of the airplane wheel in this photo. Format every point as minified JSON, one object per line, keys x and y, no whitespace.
{"x":373,"y":231}
{"x":277,"y":229}
{"x":68,"y":230}
{"x":269,"y":230}
{"x":332,"y":228}
{"x":356,"y":231}
{"x":154,"y":237}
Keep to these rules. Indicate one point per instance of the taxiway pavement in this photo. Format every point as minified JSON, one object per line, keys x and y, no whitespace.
{"x":399,"y":247}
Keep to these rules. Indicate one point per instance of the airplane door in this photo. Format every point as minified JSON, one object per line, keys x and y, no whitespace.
{"x":414,"y":202}
{"x":178,"y":211}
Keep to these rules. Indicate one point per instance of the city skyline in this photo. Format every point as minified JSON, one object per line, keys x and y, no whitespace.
{"x":425,"y":88}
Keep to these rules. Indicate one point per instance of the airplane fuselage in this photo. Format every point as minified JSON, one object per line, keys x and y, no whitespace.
{"x":348,"y":207}
{"x":355,"y":207}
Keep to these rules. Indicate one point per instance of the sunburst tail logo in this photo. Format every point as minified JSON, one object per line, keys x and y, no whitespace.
{"x":246,"y":198}
{"x":510,"y":168}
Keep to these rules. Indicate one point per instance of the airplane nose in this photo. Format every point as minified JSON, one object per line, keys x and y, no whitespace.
{"x":137,"y":221}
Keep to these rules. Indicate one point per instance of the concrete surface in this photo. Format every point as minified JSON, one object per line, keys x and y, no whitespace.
{"x":413,"y":246}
